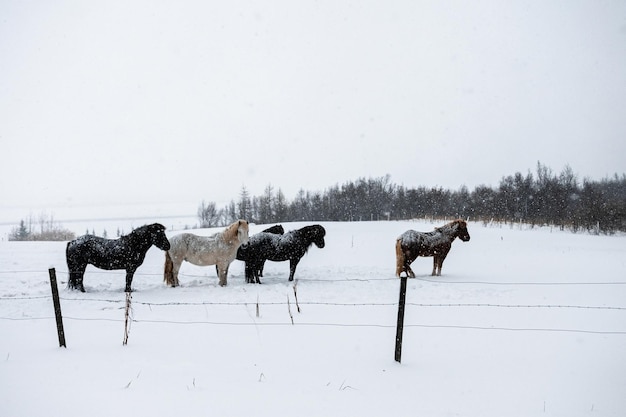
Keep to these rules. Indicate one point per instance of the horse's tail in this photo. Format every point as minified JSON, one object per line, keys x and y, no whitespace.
{"x":70,"y":282}
{"x":168,"y":272}
{"x":400,"y":258}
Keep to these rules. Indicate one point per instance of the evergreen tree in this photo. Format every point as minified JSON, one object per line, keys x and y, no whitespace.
{"x":244,"y":208}
{"x":280,"y":208}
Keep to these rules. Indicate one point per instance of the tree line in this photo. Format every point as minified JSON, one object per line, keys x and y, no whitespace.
{"x":537,"y":199}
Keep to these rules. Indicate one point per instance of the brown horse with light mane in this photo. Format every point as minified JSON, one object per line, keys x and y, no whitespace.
{"x":437,"y":244}
{"x":219,"y":249}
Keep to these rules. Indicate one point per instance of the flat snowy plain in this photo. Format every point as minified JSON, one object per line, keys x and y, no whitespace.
{"x":523,"y":322}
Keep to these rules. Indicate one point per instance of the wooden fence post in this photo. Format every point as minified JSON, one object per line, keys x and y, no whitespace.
{"x":57,"y":306}
{"x":400,"y":326}
{"x":295,"y":295}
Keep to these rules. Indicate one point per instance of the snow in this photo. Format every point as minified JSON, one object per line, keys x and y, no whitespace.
{"x":521,"y":323}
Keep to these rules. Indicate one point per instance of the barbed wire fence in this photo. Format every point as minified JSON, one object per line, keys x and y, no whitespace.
{"x":129,"y":318}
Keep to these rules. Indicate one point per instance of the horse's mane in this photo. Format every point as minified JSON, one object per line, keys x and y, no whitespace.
{"x":451,"y":225}
{"x":141,"y":230}
{"x":157,"y":227}
{"x":315,"y":229}
{"x":231,"y":231}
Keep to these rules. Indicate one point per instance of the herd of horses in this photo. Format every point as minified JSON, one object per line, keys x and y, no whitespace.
{"x":221,"y":249}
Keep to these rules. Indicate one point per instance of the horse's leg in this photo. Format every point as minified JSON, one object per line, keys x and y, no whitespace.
{"x":435,"y":264}
{"x":129,"y":280}
{"x":77,"y":272}
{"x":255,"y":271}
{"x":409,"y":271}
{"x":222,"y":271}
{"x":261,"y":269}
{"x":408,"y":260}
{"x":171,"y":268}
{"x":76,"y":281}
{"x":442,"y":257}
{"x":176,"y":264}
{"x":79,"y":281}
{"x":248,"y":273}
{"x":438,"y":265}
{"x":293,"y":263}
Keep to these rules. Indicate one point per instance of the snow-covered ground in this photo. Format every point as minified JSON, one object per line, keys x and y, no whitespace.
{"x":521,"y":323}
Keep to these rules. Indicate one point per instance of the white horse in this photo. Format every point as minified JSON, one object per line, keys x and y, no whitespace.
{"x":219,"y":249}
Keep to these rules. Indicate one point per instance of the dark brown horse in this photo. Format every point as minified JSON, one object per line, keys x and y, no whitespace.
{"x":437,"y":243}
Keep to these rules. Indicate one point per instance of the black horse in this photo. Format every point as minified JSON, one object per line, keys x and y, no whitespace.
{"x":277,"y":230}
{"x":127,"y":252}
{"x":288,"y":247}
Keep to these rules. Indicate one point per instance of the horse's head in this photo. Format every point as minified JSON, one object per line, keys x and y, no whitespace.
{"x":316,"y":235}
{"x":242,"y":232}
{"x":158,"y":238}
{"x":461,"y":230}
{"x":277,"y":230}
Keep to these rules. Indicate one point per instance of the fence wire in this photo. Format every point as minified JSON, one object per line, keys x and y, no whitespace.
{"x":326,"y":303}
{"x":334,"y":304}
{"x":423,"y":279}
{"x":315,"y":324}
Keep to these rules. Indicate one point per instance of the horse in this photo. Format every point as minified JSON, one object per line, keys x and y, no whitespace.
{"x":291,"y":246}
{"x":437,"y":243}
{"x":277,"y":230}
{"x":219,"y":249}
{"x":127,"y":252}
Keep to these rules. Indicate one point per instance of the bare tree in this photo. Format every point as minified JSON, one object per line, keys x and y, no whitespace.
{"x":208,"y":214}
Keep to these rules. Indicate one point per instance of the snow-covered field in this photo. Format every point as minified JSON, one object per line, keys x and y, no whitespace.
{"x":522,"y":323}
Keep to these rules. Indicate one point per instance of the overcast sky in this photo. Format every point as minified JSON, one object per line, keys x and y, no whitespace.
{"x":132,"y":102}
